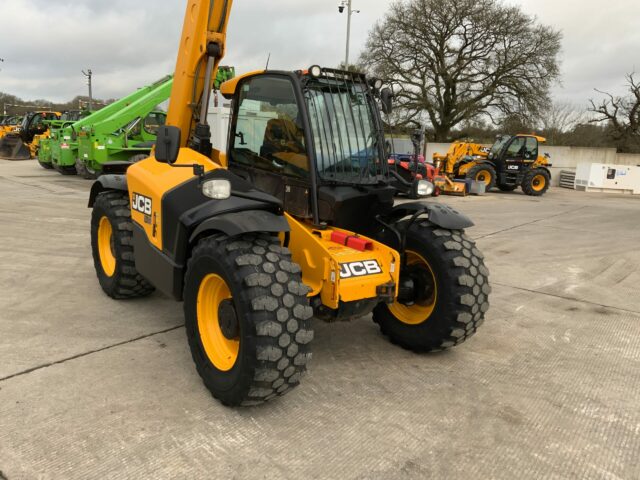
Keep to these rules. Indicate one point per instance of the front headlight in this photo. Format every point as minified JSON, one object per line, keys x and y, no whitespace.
{"x":218,"y":189}
{"x":425,"y":188}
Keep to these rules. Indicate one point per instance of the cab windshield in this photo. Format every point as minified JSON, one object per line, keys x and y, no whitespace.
{"x":344,"y":130}
{"x":498,"y":146}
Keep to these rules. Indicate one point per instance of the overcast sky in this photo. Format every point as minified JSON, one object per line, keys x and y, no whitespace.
{"x":130,"y":43}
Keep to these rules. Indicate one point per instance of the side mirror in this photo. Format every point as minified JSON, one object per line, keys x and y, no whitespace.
{"x":386,"y":97}
{"x":168,"y":144}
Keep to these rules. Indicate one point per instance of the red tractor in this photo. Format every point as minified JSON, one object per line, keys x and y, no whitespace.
{"x":413,"y":167}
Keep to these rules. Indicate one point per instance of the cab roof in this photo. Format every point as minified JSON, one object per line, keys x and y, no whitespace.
{"x":540,"y":139}
{"x":228,"y":88}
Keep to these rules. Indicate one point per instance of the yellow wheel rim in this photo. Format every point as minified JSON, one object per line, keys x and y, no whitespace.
{"x":484,"y":176}
{"x":538,"y":183}
{"x":105,"y":247}
{"x":419,"y":312}
{"x":222,"y":352}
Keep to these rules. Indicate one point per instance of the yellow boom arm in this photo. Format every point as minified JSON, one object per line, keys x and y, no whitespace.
{"x":202,"y":47}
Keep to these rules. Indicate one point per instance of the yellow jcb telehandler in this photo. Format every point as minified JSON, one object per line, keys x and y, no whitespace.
{"x":296,"y":219}
{"x":23,"y":142}
{"x":511,"y":162}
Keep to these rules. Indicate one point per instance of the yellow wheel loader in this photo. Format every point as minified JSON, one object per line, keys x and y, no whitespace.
{"x":295,"y":220}
{"x":23,"y":142}
{"x":513,"y":161}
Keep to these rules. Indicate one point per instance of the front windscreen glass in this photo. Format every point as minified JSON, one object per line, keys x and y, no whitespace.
{"x":344,"y":130}
{"x":498,"y":146}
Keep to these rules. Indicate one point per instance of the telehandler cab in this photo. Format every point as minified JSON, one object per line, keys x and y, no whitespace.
{"x":296,"y":219}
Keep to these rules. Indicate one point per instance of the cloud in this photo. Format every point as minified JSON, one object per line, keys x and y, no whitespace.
{"x":129,"y":44}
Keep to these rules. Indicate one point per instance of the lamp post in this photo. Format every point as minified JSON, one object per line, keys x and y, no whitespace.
{"x":89,"y":75}
{"x":342,"y":6}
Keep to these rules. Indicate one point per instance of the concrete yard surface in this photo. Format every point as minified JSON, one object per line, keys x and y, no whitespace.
{"x":91,"y":388}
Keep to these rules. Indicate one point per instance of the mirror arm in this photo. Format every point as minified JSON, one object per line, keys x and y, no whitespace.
{"x":198,"y":170}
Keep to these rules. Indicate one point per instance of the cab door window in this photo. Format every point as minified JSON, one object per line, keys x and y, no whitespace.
{"x":268,"y":133}
{"x":531,"y":149}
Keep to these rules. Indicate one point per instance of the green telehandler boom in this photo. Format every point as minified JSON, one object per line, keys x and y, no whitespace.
{"x":110,"y":134}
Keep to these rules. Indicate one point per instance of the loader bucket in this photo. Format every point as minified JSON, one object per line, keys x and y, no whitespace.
{"x":13,"y":148}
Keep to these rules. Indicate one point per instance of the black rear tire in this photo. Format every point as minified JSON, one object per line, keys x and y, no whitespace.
{"x":65,"y":170}
{"x":123,"y":281}
{"x":536,"y":182}
{"x":480,"y":172}
{"x":461,"y":296}
{"x":272,"y":318}
{"x":45,"y":165}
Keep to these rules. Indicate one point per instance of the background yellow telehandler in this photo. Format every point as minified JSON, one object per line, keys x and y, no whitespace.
{"x":22,"y":143}
{"x":511,"y":162}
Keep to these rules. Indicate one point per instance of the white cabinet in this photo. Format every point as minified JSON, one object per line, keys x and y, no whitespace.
{"x":598,"y":177}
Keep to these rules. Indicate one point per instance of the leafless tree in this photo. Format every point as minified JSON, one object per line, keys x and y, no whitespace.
{"x":455,"y":60}
{"x":622,"y":115}
{"x":560,"y":118}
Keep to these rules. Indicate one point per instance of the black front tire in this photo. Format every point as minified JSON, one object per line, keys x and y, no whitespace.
{"x":536,"y":182}
{"x":462,"y":286}
{"x":125,"y":281}
{"x":83,"y":171}
{"x":272,"y":311}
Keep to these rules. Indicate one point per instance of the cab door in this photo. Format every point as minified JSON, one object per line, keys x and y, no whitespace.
{"x":520,"y":154}
{"x":267,"y":143}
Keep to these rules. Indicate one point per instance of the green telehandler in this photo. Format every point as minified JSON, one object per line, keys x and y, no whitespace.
{"x":50,"y":145}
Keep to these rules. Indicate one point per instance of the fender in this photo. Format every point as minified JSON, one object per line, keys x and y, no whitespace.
{"x":107,"y":182}
{"x":485,"y":162}
{"x":248,"y":221}
{"x":167,"y":273}
{"x":546,"y":170}
{"x":470,"y":163}
{"x":439,"y":214}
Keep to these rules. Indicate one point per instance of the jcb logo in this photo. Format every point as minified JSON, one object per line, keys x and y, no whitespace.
{"x":141,"y":204}
{"x":359,"y":269}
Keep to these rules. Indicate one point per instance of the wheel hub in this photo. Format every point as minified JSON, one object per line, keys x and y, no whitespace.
{"x":228,"y":320}
{"x":416,"y":286}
